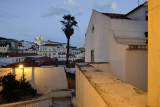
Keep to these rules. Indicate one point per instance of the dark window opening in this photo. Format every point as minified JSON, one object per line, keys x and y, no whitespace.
{"x":92,"y":55}
{"x":146,"y":15}
{"x":92,"y":29}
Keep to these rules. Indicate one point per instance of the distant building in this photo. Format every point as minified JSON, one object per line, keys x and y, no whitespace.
{"x":61,"y":56}
{"x":11,"y":58}
{"x":8,"y":45}
{"x":27,"y":47}
{"x":122,"y":41}
{"x":4,"y":48}
{"x":75,"y":51}
{"x":48,"y":50}
{"x":39,"y":41}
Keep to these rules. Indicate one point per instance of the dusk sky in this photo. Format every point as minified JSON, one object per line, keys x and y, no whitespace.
{"x":24,"y":19}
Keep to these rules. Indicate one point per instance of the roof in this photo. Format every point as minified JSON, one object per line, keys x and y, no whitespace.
{"x":2,"y":38}
{"x":21,"y":54}
{"x":27,"y":63}
{"x":53,"y":63}
{"x":123,"y":16}
{"x":131,"y":38}
{"x":42,"y":59}
{"x":135,"y":9}
{"x":50,"y":44}
{"x":116,"y":16}
{"x":5,"y":44}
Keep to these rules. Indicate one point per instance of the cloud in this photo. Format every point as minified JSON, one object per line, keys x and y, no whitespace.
{"x":106,"y":7}
{"x":54,"y":11}
{"x":73,"y":3}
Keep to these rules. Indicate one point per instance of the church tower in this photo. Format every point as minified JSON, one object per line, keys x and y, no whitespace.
{"x":39,"y":41}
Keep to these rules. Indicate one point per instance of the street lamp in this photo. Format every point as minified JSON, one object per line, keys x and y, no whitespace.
{"x":22,"y":67}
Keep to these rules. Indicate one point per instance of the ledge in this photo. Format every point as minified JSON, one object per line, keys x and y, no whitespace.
{"x":113,"y":91}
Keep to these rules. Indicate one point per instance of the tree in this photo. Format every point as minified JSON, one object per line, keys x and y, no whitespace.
{"x":13,"y":90}
{"x":68,"y":23}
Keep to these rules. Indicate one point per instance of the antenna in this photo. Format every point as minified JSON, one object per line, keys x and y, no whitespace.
{"x":138,"y":2}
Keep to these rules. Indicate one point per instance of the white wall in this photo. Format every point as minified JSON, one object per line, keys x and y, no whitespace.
{"x":104,"y":44}
{"x":98,"y":39}
{"x":117,"y":52}
{"x":102,"y":66}
{"x":96,"y":88}
{"x":4,"y":49}
{"x":139,"y":14}
{"x":86,"y":95}
{"x":137,"y":68}
{"x":41,"y":78}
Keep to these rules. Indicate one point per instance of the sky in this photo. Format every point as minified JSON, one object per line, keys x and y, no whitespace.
{"x":26,"y":19}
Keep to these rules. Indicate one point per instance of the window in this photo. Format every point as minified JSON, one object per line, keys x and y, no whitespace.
{"x":146,"y":34}
{"x":138,"y":47}
{"x":146,"y":15}
{"x":92,"y":29}
{"x":17,"y":60}
{"x":92,"y":55}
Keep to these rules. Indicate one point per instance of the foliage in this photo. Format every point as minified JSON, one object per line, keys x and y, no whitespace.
{"x":68,"y":24}
{"x":13,"y":90}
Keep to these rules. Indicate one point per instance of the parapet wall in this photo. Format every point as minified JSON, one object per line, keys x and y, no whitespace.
{"x":97,"y":88}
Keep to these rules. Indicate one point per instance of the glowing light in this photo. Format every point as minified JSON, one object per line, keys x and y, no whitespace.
{"x":20,"y":66}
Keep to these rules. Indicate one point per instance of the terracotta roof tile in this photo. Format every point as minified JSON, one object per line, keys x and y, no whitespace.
{"x":28,"y":63}
{"x":135,"y":9}
{"x":21,"y":54}
{"x":116,"y":16}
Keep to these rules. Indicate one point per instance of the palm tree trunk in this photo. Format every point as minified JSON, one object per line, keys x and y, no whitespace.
{"x":67,"y":63}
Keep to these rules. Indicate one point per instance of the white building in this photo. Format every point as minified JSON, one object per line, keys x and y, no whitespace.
{"x":120,"y":40}
{"x":48,"y":50}
{"x":4,"y":48}
{"x":75,"y":51}
{"x":15,"y":57}
{"x":27,"y":47}
{"x":61,"y":56}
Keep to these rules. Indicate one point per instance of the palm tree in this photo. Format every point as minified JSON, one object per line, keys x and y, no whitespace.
{"x":68,"y":24}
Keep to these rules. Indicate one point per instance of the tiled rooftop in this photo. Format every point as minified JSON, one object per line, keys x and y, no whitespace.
{"x":21,"y":54}
{"x":116,"y":16}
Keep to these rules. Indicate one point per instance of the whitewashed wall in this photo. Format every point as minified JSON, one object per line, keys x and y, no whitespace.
{"x":86,"y":94}
{"x":98,"y":39}
{"x":117,"y":52}
{"x":139,"y":14}
{"x":137,"y":68}
{"x":41,"y":78}
{"x":103,"y":41}
{"x":100,"y":89}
